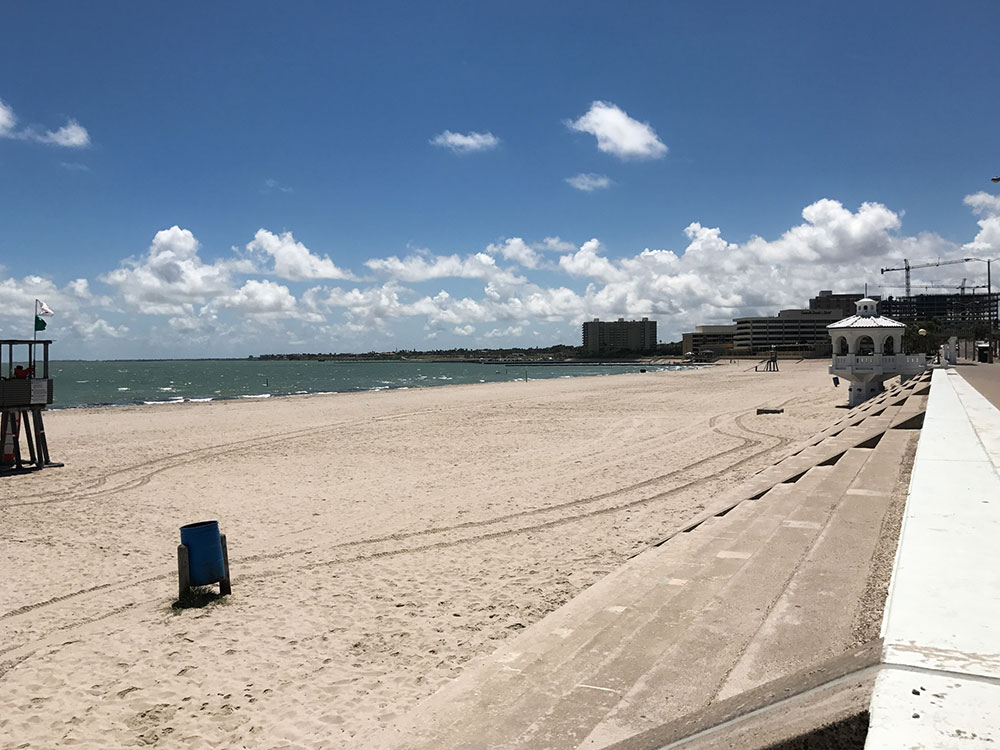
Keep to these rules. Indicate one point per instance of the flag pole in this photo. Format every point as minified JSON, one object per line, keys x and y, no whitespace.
{"x":34,"y":328}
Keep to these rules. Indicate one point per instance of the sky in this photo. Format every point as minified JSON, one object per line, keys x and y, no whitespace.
{"x":189,"y":179}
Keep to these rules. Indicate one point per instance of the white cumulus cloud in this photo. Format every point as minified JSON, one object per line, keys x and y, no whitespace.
{"x":70,"y":135}
{"x":587,"y":262}
{"x":508,"y":332}
{"x":983,"y":203}
{"x":557,"y":245}
{"x":465,"y":143}
{"x":293,"y":260}
{"x":95,"y":329}
{"x":266,"y":298}
{"x":512,"y":290}
{"x":425,"y":266}
{"x":833,"y":233}
{"x":618,"y":134}
{"x":170,"y":277}
{"x":517,"y":250}
{"x":987,"y":240}
{"x":589,"y":182}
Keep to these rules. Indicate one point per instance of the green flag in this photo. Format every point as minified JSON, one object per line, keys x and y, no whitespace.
{"x":39,"y":324}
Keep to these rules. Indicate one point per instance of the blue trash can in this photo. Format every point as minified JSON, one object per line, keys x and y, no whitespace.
{"x":204,"y":552}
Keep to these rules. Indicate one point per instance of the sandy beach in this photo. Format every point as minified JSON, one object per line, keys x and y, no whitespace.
{"x":378,"y":542}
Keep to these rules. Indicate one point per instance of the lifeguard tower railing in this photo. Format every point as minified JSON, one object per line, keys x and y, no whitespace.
{"x":25,"y":391}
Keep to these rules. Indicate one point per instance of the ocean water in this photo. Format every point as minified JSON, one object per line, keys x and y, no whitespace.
{"x":170,"y":381}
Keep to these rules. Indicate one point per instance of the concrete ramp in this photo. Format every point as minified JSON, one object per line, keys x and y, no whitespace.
{"x":752,"y":606}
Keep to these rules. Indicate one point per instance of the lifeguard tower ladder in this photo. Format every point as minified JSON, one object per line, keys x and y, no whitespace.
{"x":23,"y":398}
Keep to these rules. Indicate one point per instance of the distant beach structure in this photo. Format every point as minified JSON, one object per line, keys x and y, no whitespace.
{"x":25,"y":392}
{"x":867,"y":351}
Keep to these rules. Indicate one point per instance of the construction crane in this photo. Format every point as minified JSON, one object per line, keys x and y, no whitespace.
{"x":906,"y":267}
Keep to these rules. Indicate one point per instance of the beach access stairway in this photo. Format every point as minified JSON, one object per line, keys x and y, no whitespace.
{"x":754,"y":603}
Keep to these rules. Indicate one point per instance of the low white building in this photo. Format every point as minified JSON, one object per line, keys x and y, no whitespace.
{"x":867,"y":351}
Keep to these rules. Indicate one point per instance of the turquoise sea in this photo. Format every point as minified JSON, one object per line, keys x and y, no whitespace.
{"x":79,"y":384}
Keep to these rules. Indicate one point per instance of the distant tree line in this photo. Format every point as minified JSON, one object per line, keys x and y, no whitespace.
{"x":556,"y":352}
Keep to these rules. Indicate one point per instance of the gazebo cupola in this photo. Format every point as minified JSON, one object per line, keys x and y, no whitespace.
{"x":868,"y":350}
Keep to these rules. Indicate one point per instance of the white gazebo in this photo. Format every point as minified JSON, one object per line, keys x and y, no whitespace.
{"x":867,"y":350}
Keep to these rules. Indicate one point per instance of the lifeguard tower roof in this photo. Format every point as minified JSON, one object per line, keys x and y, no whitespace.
{"x":867,"y":317}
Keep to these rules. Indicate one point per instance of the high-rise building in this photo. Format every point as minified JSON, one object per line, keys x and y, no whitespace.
{"x":607,"y":337}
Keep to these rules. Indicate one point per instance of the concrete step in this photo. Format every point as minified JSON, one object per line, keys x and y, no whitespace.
{"x":607,"y":606}
{"x":701,"y":646}
{"x":665,"y":633}
{"x":536,"y":682}
{"x":913,"y":407}
{"x":813,"y":617}
{"x":565,"y":700}
{"x":795,"y":464}
{"x":893,"y":397}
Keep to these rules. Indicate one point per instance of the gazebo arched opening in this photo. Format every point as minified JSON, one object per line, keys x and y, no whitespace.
{"x":866,"y":346}
{"x":889,"y":345}
{"x":841,"y":348}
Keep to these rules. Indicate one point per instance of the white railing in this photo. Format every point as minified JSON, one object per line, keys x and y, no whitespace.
{"x":879,"y":362}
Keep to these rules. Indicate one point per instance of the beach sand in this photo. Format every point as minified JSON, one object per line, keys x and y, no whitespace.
{"x":378,"y":542}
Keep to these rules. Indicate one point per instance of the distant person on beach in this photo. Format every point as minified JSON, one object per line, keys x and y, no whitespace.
{"x":22,"y":373}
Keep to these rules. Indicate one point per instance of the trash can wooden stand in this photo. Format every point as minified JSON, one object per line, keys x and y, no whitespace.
{"x":202,"y":558}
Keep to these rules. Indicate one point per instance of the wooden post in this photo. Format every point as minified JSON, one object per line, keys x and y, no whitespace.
{"x":40,"y":442}
{"x":29,"y":439}
{"x":183,"y":572}
{"x":3,"y":433}
{"x":14,"y":417}
{"x":225,"y":585}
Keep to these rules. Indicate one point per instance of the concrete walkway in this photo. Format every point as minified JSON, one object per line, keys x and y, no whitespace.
{"x":984,"y":378}
{"x":939,"y":685}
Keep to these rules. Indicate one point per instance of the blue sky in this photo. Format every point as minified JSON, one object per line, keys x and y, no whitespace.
{"x":189,"y":179}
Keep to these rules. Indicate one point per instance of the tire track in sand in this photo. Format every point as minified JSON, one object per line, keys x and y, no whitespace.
{"x":492,"y":522}
{"x":486,"y":535}
{"x":96,"y":487}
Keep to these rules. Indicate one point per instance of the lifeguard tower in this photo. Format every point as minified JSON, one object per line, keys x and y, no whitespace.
{"x":867,"y":351}
{"x":25,"y":392}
